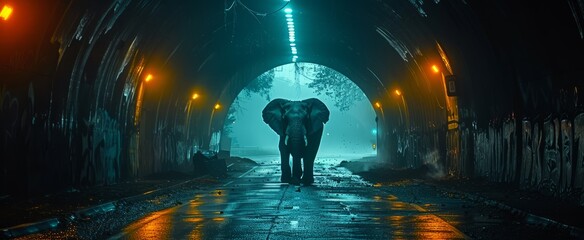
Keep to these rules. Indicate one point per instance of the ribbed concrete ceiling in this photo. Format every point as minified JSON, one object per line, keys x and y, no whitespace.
{"x":218,"y":46}
{"x":68,"y":67}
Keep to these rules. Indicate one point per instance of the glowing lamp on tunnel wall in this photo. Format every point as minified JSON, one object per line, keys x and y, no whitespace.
{"x":6,"y":12}
{"x":435,"y":69}
{"x":288,"y":10}
{"x":195,"y":96}
{"x":398,"y":92}
{"x":217,"y":106}
{"x":148,"y":78}
{"x":378,"y":105}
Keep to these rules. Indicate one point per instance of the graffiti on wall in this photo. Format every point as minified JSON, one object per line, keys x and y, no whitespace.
{"x":578,"y":150}
{"x":566,"y":159}
{"x":526,"y":169}
{"x":416,"y":148}
{"x":495,"y":156}
{"x":552,"y":160}
{"x":551,"y":156}
{"x":31,"y":149}
{"x":542,"y":155}
{"x":101,"y":150}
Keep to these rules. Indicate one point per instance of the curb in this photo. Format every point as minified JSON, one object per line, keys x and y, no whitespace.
{"x":528,"y":217}
{"x":30,"y":228}
{"x":90,"y":212}
{"x":83,"y":214}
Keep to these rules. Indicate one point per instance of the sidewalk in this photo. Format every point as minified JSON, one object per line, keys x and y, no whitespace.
{"x":51,"y":211}
{"x":534,"y":207}
{"x":530,"y":206}
{"x":20,"y":217}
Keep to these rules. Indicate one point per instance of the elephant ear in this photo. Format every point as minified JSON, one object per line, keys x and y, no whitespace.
{"x":273,"y":115}
{"x":318,"y":114}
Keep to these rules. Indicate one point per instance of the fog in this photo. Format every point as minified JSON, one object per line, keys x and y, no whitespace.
{"x":348,"y":133}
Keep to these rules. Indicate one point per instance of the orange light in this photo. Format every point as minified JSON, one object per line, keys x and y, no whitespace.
{"x":6,"y":12}
{"x":195,"y":96}
{"x":217,"y":106}
{"x":435,"y":69}
{"x":377,"y":104}
{"x":398,"y":92}
{"x":148,"y":78}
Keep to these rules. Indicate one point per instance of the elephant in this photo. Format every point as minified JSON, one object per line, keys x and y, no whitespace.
{"x":300,"y":125}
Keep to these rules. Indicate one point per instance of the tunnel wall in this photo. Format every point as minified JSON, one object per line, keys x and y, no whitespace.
{"x":520,"y":100}
{"x":76,"y":112}
{"x":543,"y":155}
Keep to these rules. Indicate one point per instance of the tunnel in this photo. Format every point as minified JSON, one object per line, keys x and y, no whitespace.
{"x":103,"y":93}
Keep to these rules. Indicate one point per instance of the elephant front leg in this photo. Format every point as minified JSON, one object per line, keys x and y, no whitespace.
{"x":308,"y":177}
{"x":313,"y":143}
{"x":284,"y":161}
{"x":296,"y":170}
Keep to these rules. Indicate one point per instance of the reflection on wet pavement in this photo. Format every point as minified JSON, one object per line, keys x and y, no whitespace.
{"x":256,"y":206}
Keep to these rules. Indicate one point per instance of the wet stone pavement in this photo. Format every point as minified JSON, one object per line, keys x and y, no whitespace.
{"x":340,"y":205}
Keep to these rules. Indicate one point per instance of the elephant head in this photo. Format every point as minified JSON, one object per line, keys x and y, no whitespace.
{"x":295,"y":120}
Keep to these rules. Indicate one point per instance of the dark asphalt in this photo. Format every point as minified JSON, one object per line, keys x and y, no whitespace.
{"x":254,"y":205}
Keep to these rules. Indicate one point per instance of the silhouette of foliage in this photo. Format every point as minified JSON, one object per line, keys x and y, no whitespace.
{"x":261,"y":85}
{"x":335,"y":85}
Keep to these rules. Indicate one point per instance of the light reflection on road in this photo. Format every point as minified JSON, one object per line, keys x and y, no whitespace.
{"x":257,"y":206}
{"x":193,"y":220}
{"x":156,"y":225}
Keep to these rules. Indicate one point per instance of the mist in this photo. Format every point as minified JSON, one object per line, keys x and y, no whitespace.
{"x":348,"y":133}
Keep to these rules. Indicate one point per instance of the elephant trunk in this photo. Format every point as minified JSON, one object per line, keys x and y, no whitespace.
{"x":296,"y":140}
{"x":296,"y":146}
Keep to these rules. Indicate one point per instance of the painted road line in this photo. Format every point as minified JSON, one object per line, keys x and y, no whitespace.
{"x":247,"y":172}
{"x":454,"y":229}
{"x":240,"y":176}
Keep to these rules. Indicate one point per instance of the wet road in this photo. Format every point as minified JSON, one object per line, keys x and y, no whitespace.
{"x":256,"y":206}
{"x":340,"y":205}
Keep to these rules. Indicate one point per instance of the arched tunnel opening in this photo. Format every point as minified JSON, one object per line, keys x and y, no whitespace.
{"x":352,"y":130}
{"x":475,"y":107}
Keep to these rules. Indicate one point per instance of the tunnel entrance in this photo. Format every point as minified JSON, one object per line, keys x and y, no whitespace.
{"x":350,"y":132}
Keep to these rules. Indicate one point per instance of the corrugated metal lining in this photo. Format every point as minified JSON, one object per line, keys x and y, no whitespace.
{"x":551,"y":155}
{"x":545,"y":156}
{"x":96,"y":122}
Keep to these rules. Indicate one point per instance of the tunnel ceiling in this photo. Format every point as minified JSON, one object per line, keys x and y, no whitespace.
{"x":111,"y":81}
{"x":219,"y":46}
